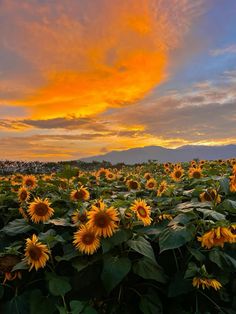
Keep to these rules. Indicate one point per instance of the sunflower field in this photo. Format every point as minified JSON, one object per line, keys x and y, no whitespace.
{"x":151,"y":238}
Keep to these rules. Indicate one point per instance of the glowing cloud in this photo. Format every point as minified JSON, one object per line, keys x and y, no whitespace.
{"x":87,"y":56}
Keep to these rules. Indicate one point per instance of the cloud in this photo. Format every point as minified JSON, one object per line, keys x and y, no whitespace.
{"x":222,"y":51}
{"x":81,"y":62}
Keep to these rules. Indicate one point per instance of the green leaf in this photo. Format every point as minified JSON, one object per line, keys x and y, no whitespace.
{"x":228,"y":205}
{"x":50,"y":237}
{"x":150,"y":303}
{"x":58,"y":285}
{"x":172,"y":238}
{"x":17,"y":305}
{"x":78,"y":307}
{"x":197,"y":254}
{"x":224,"y":185}
{"x":179,"y":285}
{"x":146,"y":269}
{"x":20,"y":266}
{"x":211,"y":213}
{"x":118,"y":238}
{"x":222,"y":260}
{"x":114,"y":270}
{"x":142,"y":246}
{"x":40,"y":304}
{"x":17,"y":226}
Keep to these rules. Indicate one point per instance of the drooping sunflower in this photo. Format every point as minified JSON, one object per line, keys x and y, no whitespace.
{"x":195,"y":173}
{"x":217,"y":237}
{"x":23,"y":195}
{"x":177,"y":174}
{"x":7,"y":262}
{"x":164,"y":217}
{"x":103,"y":220}
{"x":133,"y":184}
{"x":79,"y":217}
{"x":142,"y":211}
{"x":30,"y":182}
{"x":151,"y":184}
{"x":36,"y":253}
{"x":210,"y":195}
{"x":86,"y":240}
{"x":81,"y":194}
{"x":40,"y":210}
{"x":162,"y":188}
{"x":206,"y":283}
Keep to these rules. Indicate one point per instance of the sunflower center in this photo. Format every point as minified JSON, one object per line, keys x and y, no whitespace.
{"x":35,"y":252}
{"x":102,"y":220}
{"x":80,"y":194}
{"x":196,"y":174}
{"x":133,"y":185}
{"x":142,"y":212}
{"x":83,"y":217}
{"x":23,"y":195}
{"x":178,"y":174}
{"x":29,"y":182}
{"x":41,"y":209}
{"x":151,"y":185}
{"x":88,"y":238}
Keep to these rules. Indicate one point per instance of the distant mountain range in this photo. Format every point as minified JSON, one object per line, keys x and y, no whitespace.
{"x":161,"y":154}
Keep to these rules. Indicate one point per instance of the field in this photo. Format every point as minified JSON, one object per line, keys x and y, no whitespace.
{"x":152,"y":238}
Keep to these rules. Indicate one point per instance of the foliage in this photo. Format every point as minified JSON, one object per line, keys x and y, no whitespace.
{"x":141,"y":268}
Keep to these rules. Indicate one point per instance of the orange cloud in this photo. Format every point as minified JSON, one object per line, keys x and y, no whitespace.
{"x":93,"y":57}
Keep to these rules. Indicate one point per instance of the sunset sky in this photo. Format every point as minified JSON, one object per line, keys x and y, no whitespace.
{"x":84,"y":77}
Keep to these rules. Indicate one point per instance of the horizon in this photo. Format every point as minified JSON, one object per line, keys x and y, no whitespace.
{"x":82,"y":79}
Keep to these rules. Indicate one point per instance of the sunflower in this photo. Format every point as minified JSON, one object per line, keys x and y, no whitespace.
{"x":36,"y":253}
{"x":206,"y":283}
{"x":232,"y":183}
{"x":195,"y":173}
{"x":29,"y":182}
{"x":142,"y":211}
{"x":79,"y":217}
{"x":132,"y":185}
{"x":81,"y":194}
{"x":103,"y":220}
{"x":147,"y":176}
{"x":164,"y":217}
{"x":110,"y":176}
{"x":86,"y":240}
{"x":22,"y":212}
{"x":23,"y":195}
{"x":151,"y":184}
{"x":177,"y":174}
{"x":162,"y":188}
{"x":210,"y":195}
{"x":40,"y":210}
{"x":101,"y":173}
{"x":217,"y":237}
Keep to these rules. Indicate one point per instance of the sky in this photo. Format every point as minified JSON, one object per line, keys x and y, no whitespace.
{"x":85,"y":77}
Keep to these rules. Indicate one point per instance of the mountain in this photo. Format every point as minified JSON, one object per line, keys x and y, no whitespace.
{"x":183,"y":153}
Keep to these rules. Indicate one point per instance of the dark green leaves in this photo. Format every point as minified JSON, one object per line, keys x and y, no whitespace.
{"x":114,"y":270}
{"x":58,"y":285}
{"x":142,"y":246}
{"x":146,"y":269}
{"x":17,"y":226}
{"x":172,"y":238}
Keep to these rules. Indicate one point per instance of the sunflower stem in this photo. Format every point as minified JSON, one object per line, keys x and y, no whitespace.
{"x":176,"y":261}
